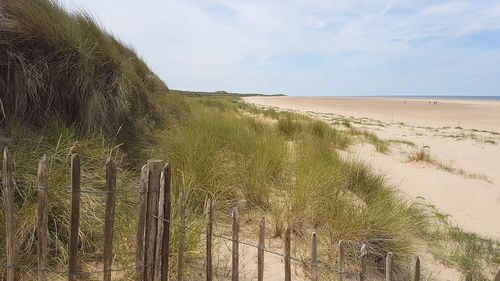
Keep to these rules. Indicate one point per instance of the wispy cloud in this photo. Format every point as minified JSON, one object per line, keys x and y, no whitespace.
{"x":312,"y":47}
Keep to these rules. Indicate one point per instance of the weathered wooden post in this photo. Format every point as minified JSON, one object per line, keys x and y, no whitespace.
{"x":362,"y":260}
{"x":167,"y":172}
{"x":141,"y":224}
{"x":388,"y":267}
{"x":260,"y":253}
{"x":109,"y":217}
{"x":159,"y":232}
{"x":288,"y":268}
{"x":468,"y":276}
{"x":497,"y":276}
{"x":43,"y":216}
{"x":75,"y":217}
{"x":155,"y":167}
{"x":182,"y":236}
{"x":209,"y":240}
{"x":235,"y":252}
{"x":8,"y":197}
{"x":314,"y":258}
{"x":415,"y":273}
{"x":341,"y":261}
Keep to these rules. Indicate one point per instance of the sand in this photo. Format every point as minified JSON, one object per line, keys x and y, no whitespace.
{"x":481,"y":115}
{"x":460,"y":134}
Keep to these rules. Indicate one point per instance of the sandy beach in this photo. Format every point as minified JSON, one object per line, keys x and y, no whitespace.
{"x":468,"y":114}
{"x":462,"y":135}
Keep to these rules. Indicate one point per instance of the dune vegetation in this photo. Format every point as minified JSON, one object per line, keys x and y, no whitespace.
{"x":70,"y":87}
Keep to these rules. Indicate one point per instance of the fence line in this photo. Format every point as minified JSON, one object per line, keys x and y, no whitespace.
{"x":153,"y":231}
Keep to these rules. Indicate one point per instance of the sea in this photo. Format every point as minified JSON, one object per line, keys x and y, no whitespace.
{"x":485,"y":98}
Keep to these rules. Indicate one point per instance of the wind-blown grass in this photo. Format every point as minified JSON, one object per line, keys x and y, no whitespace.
{"x":56,"y":64}
{"x":294,"y":175}
{"x":58,"y":142}
{"x":380,"y":145}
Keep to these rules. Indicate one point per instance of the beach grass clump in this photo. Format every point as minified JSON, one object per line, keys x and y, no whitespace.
{"x":346,"y":200}
{"x":380,"y":145}
{"x":464,"y":250}
{"x":421,"y":155}
{"x":63,"y":65}
{"x":289,"y":126}
{"x":323,"y":130}
{"x":400,"y":141}
{"x":224,"y":154}
{"x":271,"y":113}
{"x":346,"y":124}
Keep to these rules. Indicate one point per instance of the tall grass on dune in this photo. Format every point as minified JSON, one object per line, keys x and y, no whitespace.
{"x":58,"y":142}
{"x":54,"y":63}
{"x":226,"y":152}
{"x":223,"y":154}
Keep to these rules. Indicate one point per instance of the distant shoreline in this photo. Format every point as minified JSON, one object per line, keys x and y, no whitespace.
{"x":411,"y":97}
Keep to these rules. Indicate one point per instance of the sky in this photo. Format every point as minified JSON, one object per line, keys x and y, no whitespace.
{"x":310,"y":47}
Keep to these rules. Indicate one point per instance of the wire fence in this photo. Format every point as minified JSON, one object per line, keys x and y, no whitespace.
{"x":154,"y":233}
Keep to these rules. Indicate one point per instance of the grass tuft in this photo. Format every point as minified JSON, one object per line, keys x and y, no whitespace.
{"x":421,"y":154}
{"x":380,"y":145}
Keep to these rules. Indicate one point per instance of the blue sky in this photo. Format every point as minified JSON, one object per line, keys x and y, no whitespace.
{"x":313,"y":48}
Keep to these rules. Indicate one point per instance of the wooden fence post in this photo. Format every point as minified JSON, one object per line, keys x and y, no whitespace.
{"x":260,"y":254}
{"x":75,"y":217}
{"x":415,"y":273}
{"x":43,"y":216}
{"x":167,"y":177}
{"x":159,"y":232}
{"x":109,"y":218}
{"x":141,"y":224}
{"x":314,"y":258}
{"x":209,"y":240}
{"x":362,"y":272}
{"x":341,"y":261}
{"x":388,"y":267}
{"x":468,"y":276}
{"x":8,"y":197}
{"x":155,"y":167}
{"x":182,"y":237}
{"x":235,"y":253}
{"x":497,"y":277}
{"x":288,"y":268}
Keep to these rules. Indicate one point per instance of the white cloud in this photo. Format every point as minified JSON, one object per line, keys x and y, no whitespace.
{"x":345,"y":47}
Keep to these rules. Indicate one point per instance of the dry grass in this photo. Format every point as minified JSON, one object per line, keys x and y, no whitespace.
{"x":380,"y":145}
{"x":56,"y":64}
{"x":421,"y":154}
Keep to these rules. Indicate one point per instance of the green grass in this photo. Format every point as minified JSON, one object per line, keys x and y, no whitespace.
{"x":289,"y":126}
{"x":290,"y":169}
{"x":421,"y":155}
{"x":58,"y":142}
{"x":56,"y":63}
{"x":405,"y":142}
{"x":464,"y":250}
{"x":380,"y":145}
